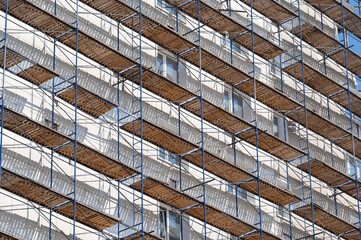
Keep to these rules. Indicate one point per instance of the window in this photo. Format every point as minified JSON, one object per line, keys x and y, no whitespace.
{"x":169,"y":225}
{"x":238,"y":105}
{"x":282,"y":213}
{"x":166,"y":6}
{"x":231,"y":44}
{"x":173,"y":183}
{"x":275,"y":66}
{"x":240,"y":191}
{"x":163,"y":154}
{"x":167,"y":66}
{"x":350,"y":166}
{"x":275,"y":126}
{"x":226,"y":100}
{"x":163,"y":222}
{"x":48,"y":123}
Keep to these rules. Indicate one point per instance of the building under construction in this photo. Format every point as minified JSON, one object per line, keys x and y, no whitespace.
{"x":180,"y":119}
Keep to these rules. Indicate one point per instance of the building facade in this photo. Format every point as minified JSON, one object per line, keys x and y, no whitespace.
{"x":176,"y":119}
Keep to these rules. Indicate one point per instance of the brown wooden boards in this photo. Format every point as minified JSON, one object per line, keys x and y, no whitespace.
{"x":168,"y":38}
{"x":327,"y":221}
{"x":60,"y":203}
{"x":138,"y":236}
{"x":331,"y":176}
{"x":87,"y":101}
{"x":316,"y":37}
{"x":272,"y":9}
{"x":332,"y":8}
{"x":225,"y":170}
{"x":64,"y":145}
{"x":6,"y":236}
{"x":36,"y":73}
{"x":326,"y":86}
{"x":222,"y":23}
{"x":194,"y":208}
{"x":11,"y":60}
{"x":353,"y":60}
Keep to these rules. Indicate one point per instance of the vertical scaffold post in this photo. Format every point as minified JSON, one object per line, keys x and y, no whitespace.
{"x":76,"y":115}
{"x":344,"y":35}
{"x":3,"y":86}
{"x":306,"y":126}
{"x":118,"y":133}
{"x":202,"y":127}
{"x":256,"y":122}
{"x":52,"y":124}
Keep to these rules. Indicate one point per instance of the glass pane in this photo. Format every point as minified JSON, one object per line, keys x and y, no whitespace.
{"x":162,"y":222}
{"x":241,"y":193}
{"x":159,"y":3}
{"x":226,"y":100}
{"x":173,"y":159}
{"x":174,"y":226}
{"x":171,"y":69}
{"x":162,"y":153}
{"x":230,"y":189}
{"x":275,"y":126}
{"x":159,"y":64}
{"x":169,"y":8}
{"x":351,"y":167}
{"x":238,"y":108}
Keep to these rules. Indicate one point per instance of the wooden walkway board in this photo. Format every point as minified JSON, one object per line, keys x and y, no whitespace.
{"x":221,"y":23}
{"x":49,"y":198}
{"x":51,"y":139}
{"x":36,"y":74}
{"x":88,"y":216}
{"x":138,"y":236}
{"x":326,"y":86}
{"x":353,"y":60}
{"x":231,"y":123}
{"x":332,"y":8}
{"x":163,"y":193}
{"x":163,"y":36}
{"x":325,"y":220}
{"x":271,"y":144}
{"x":169,"y":39}
{"x":231,"y":74}
{"x":11,"y":60}
{"x":65,"y":33}
{"x":327,"y":44}
{"x":331,"y":176}
{"x":33,"y":131}
{"x":316,"y":37}
{"x":87,"y":101}
{"x":269,"y":96}
{"x":6,"y":236}
{"x":162,"y":86}
{"x":180,"y":200}
{"x":213,"y":164}
{"x":216,"y":115}
{"x":272,"y":9}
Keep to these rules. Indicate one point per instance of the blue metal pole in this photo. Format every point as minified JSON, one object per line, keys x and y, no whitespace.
{"x":52,"y":123}
{"x":256,"y":124}
{"x":76,"y":112}
{"x":202,"y":129}
{"x":306,"y":120}
{"x":3,"y":87}
{"x":141,"y":116}
{"x":118,"y":136}
{"x":351,"y":117}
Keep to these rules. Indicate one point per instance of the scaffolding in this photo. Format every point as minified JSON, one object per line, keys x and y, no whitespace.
{"x":235,"y":119}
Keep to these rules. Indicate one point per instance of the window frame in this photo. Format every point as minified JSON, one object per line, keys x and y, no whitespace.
{"x":165,"y":225}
